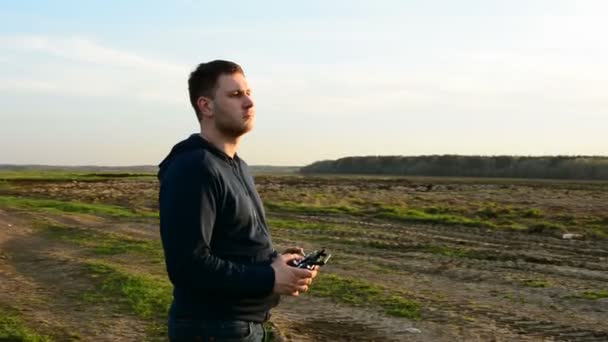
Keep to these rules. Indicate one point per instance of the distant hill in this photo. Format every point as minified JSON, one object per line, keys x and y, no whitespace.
{"x":551,"y":167}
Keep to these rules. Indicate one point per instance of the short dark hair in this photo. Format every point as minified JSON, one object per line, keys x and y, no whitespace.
{"x":203,"y":80}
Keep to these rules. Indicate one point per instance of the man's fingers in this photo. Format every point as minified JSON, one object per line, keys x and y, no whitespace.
{"x":304,"y":281}
{"x":302,"y":273}
{"x":314,"y":272}
{"x":290,"y":257}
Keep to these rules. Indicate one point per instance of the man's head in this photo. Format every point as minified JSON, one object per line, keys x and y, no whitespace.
{"x":220,"y":96}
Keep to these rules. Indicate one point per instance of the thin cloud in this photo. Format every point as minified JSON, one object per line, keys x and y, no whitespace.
{"x":106,"y":71}
{"x":87,"y":51}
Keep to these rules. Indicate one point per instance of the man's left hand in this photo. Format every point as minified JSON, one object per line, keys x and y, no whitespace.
{"x":315,"y":269}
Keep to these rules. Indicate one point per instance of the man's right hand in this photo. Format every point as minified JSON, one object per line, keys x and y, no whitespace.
{"x":289,"y":280}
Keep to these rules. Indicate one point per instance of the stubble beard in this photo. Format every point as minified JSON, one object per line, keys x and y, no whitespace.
{"x":231,"y":128}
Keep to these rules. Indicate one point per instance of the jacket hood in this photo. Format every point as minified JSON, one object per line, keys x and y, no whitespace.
{"x":193,"y":142}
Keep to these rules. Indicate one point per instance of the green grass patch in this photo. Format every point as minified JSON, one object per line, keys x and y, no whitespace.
{"x":493,"y":211}
{"x":102,"y":243}
{"x":598,"y":231}
{"x":532,"y":213}
{"x":309,"y":209}
{"x":536,"y":283}
{"x":422,"y":210}
{"x":593,"y":295}
{"x":357,"y":292}
{"x":341,"y":232}
{"x":414,"y":215}
{"x":142,"y":295}
{"x":56,"y":206}
{"x":437,"y":209}
{"x":331,"y":233}
{"x":138,"y":294}
{"x":272,"y":334}
{"x":380,"y":211}
{"x":57,"y":175}
{"x":12,"y":328}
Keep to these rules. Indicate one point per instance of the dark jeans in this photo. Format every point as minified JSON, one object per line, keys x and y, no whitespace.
{"x":214,"y":330}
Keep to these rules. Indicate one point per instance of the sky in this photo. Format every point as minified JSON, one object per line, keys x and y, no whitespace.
{"x":105,"y":82}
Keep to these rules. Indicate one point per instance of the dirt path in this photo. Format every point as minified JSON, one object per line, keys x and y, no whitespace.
{"x":308,"y":318}
{"x":42,"y":281}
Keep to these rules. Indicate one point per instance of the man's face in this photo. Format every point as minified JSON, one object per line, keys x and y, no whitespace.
{"x":232,"y":106}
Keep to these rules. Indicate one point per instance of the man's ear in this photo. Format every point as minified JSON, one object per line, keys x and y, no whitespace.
{"x":205,"y":106}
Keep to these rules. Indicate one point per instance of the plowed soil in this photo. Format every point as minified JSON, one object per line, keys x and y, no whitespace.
{"x":472,"y":283}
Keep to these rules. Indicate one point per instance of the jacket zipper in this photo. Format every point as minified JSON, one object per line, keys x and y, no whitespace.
{"x":254,"y":208}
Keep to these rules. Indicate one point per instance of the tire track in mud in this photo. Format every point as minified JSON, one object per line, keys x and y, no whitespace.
{"x":516,"y":322}
{"x":453,"y":311}
{"x":320,"y":319}
{"x":397,"y":251}
{"x":519,"y":324}
{"x":456,"y":312}
{"x":443,"y":314}
{"x":494,"y":245}
{"x":556,"y":258}
{"x":390,"y":244}
{"x":484,"y":259}
{"x":471,"y":235}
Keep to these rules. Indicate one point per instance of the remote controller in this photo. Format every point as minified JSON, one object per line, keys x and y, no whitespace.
{"x":312,"y":259}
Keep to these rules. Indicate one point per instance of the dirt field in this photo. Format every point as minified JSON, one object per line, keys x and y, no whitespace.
{"x":416,"y":259}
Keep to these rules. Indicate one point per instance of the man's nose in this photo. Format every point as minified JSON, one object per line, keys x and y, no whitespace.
{"x":248,"y":102}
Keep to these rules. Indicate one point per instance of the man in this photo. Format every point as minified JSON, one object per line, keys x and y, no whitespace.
{"x":225,"y":272}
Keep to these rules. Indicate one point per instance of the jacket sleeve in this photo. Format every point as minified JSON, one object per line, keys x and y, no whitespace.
{"x":188,"y":208}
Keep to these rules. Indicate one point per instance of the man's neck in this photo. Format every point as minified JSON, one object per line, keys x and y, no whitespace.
{"x":225,"y":144}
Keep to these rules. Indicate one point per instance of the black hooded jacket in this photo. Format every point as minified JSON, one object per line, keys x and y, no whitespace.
{"x":213,"y":228}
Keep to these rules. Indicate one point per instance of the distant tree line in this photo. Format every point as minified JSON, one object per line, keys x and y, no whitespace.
{"x":556,"y":167}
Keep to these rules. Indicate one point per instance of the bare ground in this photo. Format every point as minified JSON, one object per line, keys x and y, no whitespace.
{"x":506,"y":286}
{"x":484,"y":297}
{"x":42,"y":281}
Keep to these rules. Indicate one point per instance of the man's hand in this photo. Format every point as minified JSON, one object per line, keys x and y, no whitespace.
{"x":290,"y":280}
